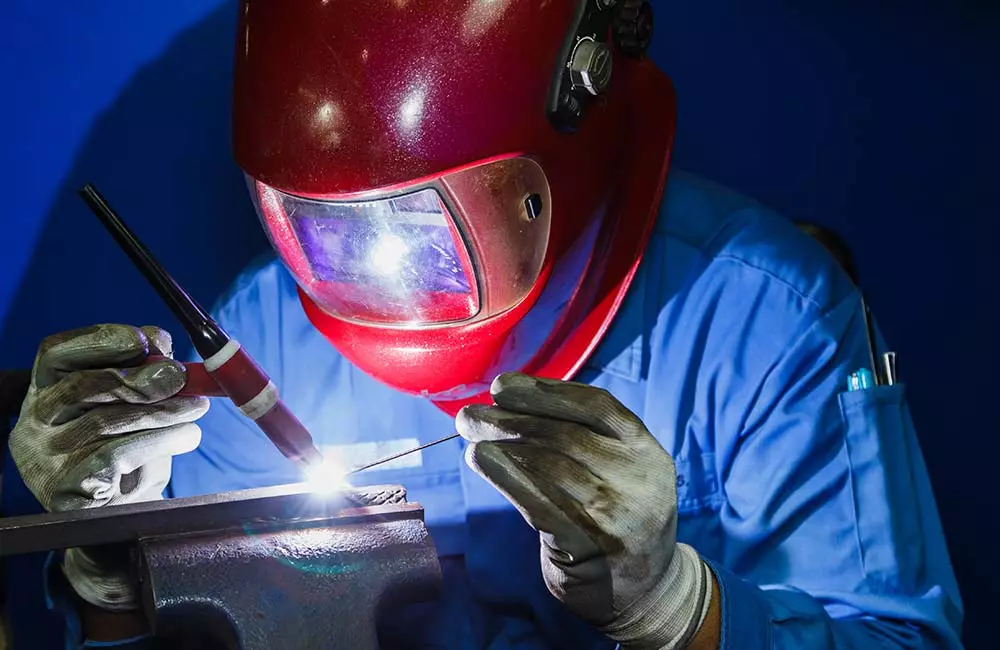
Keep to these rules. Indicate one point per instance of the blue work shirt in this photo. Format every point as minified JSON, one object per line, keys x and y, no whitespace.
{"x":812,"y":504}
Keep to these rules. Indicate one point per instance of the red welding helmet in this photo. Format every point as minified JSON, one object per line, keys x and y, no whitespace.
{"x":459,"y":188}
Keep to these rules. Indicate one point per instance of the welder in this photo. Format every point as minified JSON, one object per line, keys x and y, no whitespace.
{"x":475,"y":227}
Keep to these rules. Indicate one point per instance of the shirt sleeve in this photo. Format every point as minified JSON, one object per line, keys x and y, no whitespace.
{"x":59,"y":598}
{"x":833,"y":538}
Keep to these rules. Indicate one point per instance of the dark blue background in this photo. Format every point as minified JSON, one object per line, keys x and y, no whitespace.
{"x":880,"y":122}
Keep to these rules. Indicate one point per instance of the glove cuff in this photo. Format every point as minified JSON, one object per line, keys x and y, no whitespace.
{"x":111,"y":589}
{"x":670,"y":614}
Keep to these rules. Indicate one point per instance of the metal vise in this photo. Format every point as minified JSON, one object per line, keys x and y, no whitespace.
{"x":259,"y":569}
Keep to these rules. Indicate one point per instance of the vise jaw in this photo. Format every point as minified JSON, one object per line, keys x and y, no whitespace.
{"x":259,"y":569}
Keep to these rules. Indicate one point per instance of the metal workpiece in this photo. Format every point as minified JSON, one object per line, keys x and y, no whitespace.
{"x":258,"y":509}
{"x":309,"y":588}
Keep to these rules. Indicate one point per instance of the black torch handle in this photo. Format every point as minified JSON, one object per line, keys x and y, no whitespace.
{"x":206,"y":335}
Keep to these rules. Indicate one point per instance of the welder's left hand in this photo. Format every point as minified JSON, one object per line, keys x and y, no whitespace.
{"x":99,"y":427}
{"x":600,"y":490}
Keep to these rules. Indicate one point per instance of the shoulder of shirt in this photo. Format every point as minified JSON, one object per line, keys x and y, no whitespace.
{"x":264,"y":276}
{"x":731,"y":231}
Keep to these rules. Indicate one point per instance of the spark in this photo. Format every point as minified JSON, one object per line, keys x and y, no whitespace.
{"x":327,"y":477}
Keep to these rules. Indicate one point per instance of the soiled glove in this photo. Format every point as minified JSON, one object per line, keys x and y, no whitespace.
{"x":585,"y":473}
{"x":97,"y":428}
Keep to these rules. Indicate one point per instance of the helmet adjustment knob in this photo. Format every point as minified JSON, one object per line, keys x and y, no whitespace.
{"x":590,"y":66}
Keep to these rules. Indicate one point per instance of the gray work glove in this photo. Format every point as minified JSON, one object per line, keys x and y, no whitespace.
{"x":97,"y":428}
{"x":601,"y":491}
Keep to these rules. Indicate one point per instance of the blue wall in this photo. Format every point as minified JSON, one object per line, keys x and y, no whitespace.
{"x":135,"y":99}
{"x":879,"y":123}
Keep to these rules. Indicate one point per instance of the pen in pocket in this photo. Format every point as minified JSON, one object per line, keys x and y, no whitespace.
{"x":860,"y":380}
{"x":889,"y":367}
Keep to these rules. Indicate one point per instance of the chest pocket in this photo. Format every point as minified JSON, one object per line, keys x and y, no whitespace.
{"x":883,"y":453}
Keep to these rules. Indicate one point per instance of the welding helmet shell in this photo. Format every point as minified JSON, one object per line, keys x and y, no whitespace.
{"x":459,"y":188}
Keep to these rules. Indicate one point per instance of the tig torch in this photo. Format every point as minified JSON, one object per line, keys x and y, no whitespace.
{"x":227,"y":369}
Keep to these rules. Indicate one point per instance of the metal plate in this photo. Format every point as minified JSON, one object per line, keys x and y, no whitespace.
{"x":274,"y":508}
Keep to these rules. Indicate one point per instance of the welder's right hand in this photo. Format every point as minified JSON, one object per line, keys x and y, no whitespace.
{"x":99,"y":427}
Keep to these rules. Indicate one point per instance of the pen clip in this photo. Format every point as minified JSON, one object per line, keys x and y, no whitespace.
{"x":889,"y":368}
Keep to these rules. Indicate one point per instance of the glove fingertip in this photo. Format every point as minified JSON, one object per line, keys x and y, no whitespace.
{"x":516,"y":391}
{"x":465,"y":421}
{"x":470,"y":456}
{"x":159,"y":380}
{"x":97,"y":346}
{"x":509,"y":381}
{"x":481,"y":457}
{"x":202,"y":406}
{"x":159,"y":340}
{"x":188,"y":438}
{"x":520,"y":392}
{"x":482,"y":423}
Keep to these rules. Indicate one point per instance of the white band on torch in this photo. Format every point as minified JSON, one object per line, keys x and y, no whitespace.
{"x":263,"y":402}
{"x":220,"y":358}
